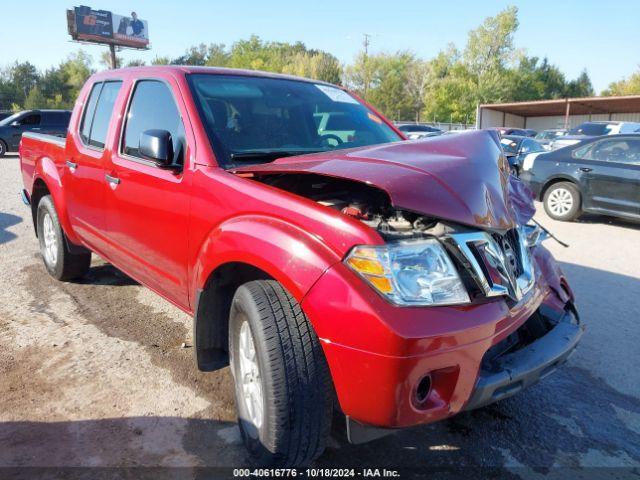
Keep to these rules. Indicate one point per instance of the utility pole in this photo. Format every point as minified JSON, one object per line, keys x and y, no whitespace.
{"x":365,"y":44}
{"x":114,"y":60}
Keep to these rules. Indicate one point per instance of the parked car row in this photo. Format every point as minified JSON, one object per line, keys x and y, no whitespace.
{"x":416,"y":131}
{"x":594,"y":129}
{"x":51,"y":122}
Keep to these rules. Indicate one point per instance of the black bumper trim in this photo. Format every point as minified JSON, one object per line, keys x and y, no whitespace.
{"x":520,"y":369}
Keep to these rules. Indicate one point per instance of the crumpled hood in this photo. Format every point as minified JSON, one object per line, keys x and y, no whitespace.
{"x":461,"y":177}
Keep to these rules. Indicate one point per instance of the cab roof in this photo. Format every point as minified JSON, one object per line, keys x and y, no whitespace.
{"x":189,"y":69}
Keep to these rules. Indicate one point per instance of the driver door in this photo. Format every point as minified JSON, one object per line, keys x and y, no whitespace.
{"x":147,"y":207}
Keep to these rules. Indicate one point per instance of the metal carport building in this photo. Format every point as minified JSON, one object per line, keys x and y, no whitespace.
{"x":561,"y":113}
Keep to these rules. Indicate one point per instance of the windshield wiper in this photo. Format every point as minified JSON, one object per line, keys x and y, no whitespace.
{"x":268,"y":154}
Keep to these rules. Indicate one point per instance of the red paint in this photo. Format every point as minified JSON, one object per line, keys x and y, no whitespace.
{"x":171,"y":231}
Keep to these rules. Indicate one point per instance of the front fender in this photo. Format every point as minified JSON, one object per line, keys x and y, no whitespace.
{"x":47,"y":171}
{"x":290,"y":255}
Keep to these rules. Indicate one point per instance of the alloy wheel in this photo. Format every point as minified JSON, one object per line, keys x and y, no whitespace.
{"x":560,"y":201}
{"x":50,"y":240}
{"x":250,"y":380}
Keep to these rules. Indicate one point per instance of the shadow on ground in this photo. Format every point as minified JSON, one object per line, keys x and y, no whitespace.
{"x":7,"y":220}
{"x":615,"y":221}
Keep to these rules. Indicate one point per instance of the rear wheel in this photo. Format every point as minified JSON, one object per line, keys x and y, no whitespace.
{"x":61,"y":262}
{"x":562,"y":201}
{"x":282,"y":382}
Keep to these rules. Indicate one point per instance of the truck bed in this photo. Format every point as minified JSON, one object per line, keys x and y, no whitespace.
{"x":60,"y":141}
{"x":35,"y":147}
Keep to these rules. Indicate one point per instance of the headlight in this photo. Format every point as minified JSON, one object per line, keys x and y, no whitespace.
{"x":410,"y":272}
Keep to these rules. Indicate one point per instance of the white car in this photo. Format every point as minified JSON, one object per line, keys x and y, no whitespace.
{"x":594,"y":129}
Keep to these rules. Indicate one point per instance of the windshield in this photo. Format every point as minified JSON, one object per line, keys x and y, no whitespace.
{"x":593,"y":129}
{"x":10,"y":119}
{"x":257,"y":119}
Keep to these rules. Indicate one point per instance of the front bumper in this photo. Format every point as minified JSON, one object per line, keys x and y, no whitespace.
{"x":378,"y":354}
{"x":524,"y":367}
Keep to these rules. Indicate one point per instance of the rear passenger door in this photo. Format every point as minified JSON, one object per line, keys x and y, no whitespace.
{"x":147,"y":207}
{"x":83,"y":176}
{"x":611,"y":175}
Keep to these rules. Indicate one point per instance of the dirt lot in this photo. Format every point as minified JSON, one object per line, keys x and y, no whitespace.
{"x":94,"y":373}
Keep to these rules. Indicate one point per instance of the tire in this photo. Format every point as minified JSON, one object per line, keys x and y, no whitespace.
{"x":287,"y":375}
{"x":3,"y":148}
{"x":562,"y":201}
{"x":61,"y":262}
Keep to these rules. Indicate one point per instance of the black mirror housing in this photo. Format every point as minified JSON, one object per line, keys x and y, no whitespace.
{"x":157,"y":146}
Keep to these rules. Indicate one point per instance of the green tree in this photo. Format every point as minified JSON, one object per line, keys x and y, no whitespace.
{"x":24,"y":76}
{"x":319,"y":66}
{"x":217,"y":55}
{"x":382,"y":80}
{"x":490,"y":46}
{"x":580,"y":87}
{"x":626,"y":86}
{"x":105,"y":60}
{"x":136,"y":62}
{"x":35,"y":100}
{"x":158,"y":60}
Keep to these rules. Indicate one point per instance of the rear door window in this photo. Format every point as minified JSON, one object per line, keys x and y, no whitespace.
{"x":89,"y":110}
{"x":618,"y":151}
{"x":102,"y":115}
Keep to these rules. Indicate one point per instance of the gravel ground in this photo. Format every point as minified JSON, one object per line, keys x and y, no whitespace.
{"x":94,"y":373}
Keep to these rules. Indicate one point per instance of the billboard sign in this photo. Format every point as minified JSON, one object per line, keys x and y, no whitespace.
{"x":102,"y":26}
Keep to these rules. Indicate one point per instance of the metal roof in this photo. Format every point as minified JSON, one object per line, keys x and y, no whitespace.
{"x":577,"y":106}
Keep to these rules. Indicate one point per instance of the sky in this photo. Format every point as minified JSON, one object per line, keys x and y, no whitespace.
{"x":601,"y":37}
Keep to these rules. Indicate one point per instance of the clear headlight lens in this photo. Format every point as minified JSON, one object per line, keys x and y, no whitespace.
{"x":410,"y":273}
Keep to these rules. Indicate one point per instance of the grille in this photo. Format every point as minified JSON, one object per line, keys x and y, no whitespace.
{"x":509,"y":243}
{"x":500,"y":264}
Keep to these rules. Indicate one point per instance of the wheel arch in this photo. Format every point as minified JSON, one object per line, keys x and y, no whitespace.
{"x":46,"y":181}
{"x":558,"y":179}
{"x":211,"y":312}
{"x":241,"y":250}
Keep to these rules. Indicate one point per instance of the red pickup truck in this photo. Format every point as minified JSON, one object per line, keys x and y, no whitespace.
{"x":332,"y":264}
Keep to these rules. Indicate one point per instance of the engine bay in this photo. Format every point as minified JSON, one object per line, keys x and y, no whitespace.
{"x":358,"y":200}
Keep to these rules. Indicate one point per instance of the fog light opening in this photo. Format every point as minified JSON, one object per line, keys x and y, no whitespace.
{"x":423,"y":389}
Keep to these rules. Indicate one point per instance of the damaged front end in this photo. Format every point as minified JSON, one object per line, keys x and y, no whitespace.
{"x":455,"y":233}
{"x":454,"y":191}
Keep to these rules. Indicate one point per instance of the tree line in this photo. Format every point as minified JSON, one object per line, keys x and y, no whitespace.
{"x":446,"y":88}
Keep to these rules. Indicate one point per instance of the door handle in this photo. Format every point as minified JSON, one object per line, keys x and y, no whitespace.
{"x":586,"y":169}
{"x":112,"y":180}
{"x":72,"y":165}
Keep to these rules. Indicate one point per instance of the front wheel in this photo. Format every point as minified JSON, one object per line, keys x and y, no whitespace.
{"x":61,"y":262}
{"x":3,"y":148}
{"x":562,"y":201}
{"x":282,"y":381}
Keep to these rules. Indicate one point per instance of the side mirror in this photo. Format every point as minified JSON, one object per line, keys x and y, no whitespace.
{"x":15,"y":123}
{"x":157,"y":146}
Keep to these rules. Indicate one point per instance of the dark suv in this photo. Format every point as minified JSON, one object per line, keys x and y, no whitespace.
{"x":52,"y":122}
